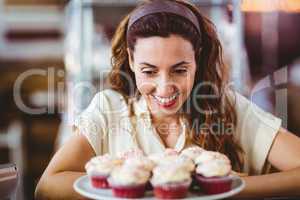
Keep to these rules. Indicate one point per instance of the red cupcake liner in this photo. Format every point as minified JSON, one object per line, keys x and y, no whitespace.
{"x":100,"y":182}
{"x":172,"y":191}
{"x":137,"y":191}
{"x":214,"y":185}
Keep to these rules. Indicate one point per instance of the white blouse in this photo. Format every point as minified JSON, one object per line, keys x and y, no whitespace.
{"x":109,"y":129}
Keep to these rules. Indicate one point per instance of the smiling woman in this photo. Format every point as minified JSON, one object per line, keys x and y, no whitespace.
{"x":169,"y":90}
{"x":163,"y":40}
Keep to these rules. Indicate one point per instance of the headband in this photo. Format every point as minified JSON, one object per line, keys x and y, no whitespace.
{"x":159,"y":6}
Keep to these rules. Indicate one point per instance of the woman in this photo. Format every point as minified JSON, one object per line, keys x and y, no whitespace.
{"x":170,"y":90}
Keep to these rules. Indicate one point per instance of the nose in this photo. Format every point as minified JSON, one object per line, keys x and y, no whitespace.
{"x":165,"y":86}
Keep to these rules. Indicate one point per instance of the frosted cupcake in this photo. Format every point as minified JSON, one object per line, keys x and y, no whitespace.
{"x":99,"y":169}
{"x":192,"y":153}
{"x":170,"y":181}
{"x":214,"y":176}
{"x":128,"y":181}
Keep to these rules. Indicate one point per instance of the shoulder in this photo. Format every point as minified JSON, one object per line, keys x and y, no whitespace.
{"x":255,"y":131}
{"x":106,"y":107}
{"x":109,"y":95}
{"x":247,"y":109}
{"x":109,"y":100}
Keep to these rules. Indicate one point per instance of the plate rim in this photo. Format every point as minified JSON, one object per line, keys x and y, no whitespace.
{"x":207,"y":197}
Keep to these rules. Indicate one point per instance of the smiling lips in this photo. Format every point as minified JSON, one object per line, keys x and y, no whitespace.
{"x":166,"y":102}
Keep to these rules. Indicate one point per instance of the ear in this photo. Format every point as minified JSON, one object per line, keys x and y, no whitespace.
{"x":130,"y":60}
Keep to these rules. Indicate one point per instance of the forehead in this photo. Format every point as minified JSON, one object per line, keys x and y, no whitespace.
{"x":162,"y":51}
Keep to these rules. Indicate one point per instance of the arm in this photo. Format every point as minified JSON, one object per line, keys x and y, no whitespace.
{"x":284,"y":155}
{"x":64,"y":168}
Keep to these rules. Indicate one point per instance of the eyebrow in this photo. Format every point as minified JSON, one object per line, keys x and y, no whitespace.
{"x":173,"y":66}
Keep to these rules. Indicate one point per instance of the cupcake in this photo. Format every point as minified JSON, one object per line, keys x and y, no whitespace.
{"x":193,"y":152}
{"x":99,"y":169}
{"x":128,"y":181}
{"x":214,"y":176}
{"x":170,"y":181}
{"x":143,"y":163}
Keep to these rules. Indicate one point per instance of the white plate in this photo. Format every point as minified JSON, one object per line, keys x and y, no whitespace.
{"x":82,"y":186}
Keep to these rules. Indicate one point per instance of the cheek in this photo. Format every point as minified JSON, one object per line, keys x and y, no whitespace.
{"x":186,"y":83}
{"x":144,"y":85}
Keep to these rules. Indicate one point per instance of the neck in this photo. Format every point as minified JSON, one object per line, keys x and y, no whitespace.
{"x":168,"y":128}
{"x":165,"y":120}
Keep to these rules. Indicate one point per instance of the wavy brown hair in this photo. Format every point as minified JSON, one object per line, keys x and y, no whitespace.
{"x":211,"y":69}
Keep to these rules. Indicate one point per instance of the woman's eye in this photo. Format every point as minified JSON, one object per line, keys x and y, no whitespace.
{"x":180,"y":71}
{"x":148,"y":72}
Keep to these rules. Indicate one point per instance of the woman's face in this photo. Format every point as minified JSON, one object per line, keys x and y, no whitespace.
{"x":165,"y":71}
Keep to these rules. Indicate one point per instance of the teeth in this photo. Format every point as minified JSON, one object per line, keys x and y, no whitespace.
{"x":166,"y":100}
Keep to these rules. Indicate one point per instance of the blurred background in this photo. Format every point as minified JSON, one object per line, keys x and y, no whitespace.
{"x":55,"y":55}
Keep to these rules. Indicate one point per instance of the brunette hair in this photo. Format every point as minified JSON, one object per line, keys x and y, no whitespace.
{"x":210,"y":69}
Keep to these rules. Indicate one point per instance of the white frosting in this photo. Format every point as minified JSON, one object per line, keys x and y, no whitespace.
{"x":162,"y":159}
{"x":101,"y":165}
{"x":127,"y":175}
{"x":140,"y":162}
{"x":167,"y":174}
{"x":214,"y":168}
{"x":156,"y":158}
{"x":192,"y":152}
{"x":185,"y":162}
{"x":207,"y":156}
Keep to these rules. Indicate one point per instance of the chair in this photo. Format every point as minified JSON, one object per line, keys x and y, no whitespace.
{"x":12,"y":139}
{"x":8,"y":180}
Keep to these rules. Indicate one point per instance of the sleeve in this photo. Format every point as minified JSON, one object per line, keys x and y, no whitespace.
{"x":93,"y":122}
{"x":256,"y":131}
